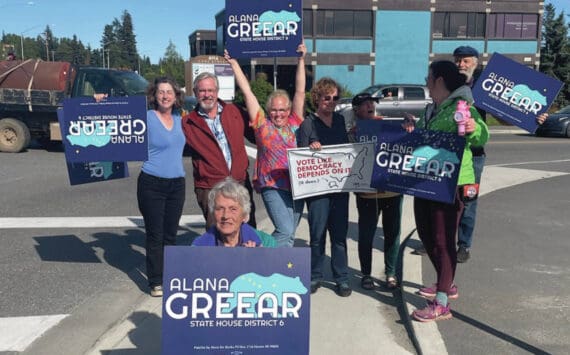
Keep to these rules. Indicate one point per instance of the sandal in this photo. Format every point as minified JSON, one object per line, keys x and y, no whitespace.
{"x":391,"y":282}
{"x":367,"y":282}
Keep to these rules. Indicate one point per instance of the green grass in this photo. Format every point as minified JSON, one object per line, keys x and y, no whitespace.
{"x":492,"y":121}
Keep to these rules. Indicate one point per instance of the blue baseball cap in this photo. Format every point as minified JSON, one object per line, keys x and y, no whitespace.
{"x":465,"y":51}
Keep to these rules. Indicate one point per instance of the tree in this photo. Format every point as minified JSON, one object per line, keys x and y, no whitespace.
{"x":109,"y":38}
{"x":127,"y":42}
{"x":119,"y":44}
{"x":72,"y":50}
{"x":261,"y":89}
{"x":555,"y":51}
{"x":49,"y":43}
{"x":172,"y":64}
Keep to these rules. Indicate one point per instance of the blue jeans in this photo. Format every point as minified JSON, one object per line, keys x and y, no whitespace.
{"x":160,"y":203}
{"x":467,"y":222}
{"x":328,"y":212}
{"x":284,"y":212}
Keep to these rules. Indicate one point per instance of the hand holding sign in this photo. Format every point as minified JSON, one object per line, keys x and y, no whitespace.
{"x":515,"y":93}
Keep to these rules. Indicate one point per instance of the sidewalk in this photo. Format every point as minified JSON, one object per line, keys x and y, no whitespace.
{"x":367,"y":322}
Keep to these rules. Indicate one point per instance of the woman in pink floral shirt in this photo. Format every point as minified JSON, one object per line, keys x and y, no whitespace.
{"x":274,"y":135}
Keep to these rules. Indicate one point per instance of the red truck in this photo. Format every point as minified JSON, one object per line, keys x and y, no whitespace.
{"x":31,"y":91}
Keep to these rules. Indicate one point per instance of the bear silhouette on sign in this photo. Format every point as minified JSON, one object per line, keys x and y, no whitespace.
{"x":275,"y":284}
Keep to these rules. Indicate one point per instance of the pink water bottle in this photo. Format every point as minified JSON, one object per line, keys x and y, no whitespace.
{"x":461,"y":116}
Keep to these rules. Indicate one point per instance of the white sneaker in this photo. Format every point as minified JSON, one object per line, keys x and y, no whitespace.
{"x":156,"y":291}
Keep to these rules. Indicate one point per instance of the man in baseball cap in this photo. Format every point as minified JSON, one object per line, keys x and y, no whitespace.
{"x":466,"y":59}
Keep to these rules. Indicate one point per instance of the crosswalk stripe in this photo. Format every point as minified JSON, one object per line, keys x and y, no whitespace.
{"x":88,"y":222}
{"x":17,"y":333}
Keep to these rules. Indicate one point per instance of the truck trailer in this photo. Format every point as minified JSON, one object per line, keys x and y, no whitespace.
{"x":31,"y":91}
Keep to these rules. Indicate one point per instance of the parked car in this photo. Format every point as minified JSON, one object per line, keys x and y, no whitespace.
{"x":343,"y":103}
{"x":556,"y":125}
{"x":395,"y":100}
{"x":190,"y":103}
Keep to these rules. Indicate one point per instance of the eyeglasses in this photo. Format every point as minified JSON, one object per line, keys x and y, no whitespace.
{"x":278,"y":110}
{"x":329,"y":98}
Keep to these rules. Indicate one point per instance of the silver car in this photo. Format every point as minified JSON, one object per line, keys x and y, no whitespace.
{"x":397,"y":99}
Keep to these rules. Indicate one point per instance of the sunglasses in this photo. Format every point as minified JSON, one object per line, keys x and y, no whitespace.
{"x":329,"y":98}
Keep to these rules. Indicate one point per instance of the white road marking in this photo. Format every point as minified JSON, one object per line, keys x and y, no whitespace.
{"x":532,"y":162}
{"x":87,"y":222}
{"x":498,"y":177}
{"x":17,"y":333}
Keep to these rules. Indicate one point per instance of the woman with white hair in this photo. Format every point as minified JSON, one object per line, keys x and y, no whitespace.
{"x":229,"y":204}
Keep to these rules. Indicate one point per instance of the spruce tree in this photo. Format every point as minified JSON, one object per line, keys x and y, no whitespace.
{"x":555,"y":51}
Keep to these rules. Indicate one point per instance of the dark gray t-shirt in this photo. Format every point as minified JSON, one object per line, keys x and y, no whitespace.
{"x":313,"y":129}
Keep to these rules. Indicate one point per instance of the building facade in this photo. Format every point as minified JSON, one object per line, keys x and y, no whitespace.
{"x":365,"y":42}
{"x":202,"y":42}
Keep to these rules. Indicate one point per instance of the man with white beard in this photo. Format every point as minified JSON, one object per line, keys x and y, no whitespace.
{"x":467,"y":59}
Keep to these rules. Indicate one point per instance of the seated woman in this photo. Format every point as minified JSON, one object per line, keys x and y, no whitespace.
{"x":229,"y":203}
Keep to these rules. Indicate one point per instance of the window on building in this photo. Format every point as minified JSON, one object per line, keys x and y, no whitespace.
{"x":308,"y":23}
{"x":458,"y":25}
{"x":207,"y":47}
{"x":513,"y":26}
{"x":341,"y":23}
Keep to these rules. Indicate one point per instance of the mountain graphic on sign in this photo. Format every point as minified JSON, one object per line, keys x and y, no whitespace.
{"x":428,"y":153}
{"x":525,"y":91}
{"x":273,"y":18}
{"x":84,"y":140}
{"x":275,"y":284}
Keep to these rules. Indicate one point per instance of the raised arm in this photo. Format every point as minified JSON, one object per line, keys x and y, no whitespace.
{"x":300,"y":83}
{"x":251,"y":102}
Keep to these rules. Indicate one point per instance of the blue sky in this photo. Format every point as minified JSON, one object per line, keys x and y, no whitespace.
{"x":155,"y":22}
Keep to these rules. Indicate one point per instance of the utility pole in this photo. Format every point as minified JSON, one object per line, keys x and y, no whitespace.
{"x":47,"y":46}
{"x":274,"y":73}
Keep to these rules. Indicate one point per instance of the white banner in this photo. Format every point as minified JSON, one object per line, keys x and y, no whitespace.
{"x":334,"y":168}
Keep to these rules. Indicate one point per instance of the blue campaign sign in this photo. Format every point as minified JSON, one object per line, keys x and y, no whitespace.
{"x":111,"y":130}
{"x":88,"y":172}
{"x":422,"y":163}
{"x":513,"y":92}
{"x":236,"y":300}
{"x":261,"y":28}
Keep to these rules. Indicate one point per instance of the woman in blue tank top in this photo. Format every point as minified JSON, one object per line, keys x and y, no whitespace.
{"x":161,"y":187}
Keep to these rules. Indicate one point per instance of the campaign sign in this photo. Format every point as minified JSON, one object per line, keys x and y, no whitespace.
{"x":87,"y":172}
{"x":225,"y":75}
{"x":422,"y":163}
{"x":84,"y":173}
{"x":513,"y":92}
{"x":236,"y":300}
{"x":111,"y":130}
{"x":261,"y":28}
{"x":334,"y":168}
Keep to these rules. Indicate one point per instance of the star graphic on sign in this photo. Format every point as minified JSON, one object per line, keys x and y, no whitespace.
{"x":289,"y":265}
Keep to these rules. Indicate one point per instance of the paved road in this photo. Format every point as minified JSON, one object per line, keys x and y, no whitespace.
{"x":54,"y":262}
{"x":514,"y":289}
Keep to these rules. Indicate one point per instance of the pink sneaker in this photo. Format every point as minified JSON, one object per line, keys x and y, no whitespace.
{"x":434,"y":311}
{"x":430,"y":292}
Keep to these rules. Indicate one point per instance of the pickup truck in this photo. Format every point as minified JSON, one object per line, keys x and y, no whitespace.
{"x":397,"y":99}
{"x":31,"y":91}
